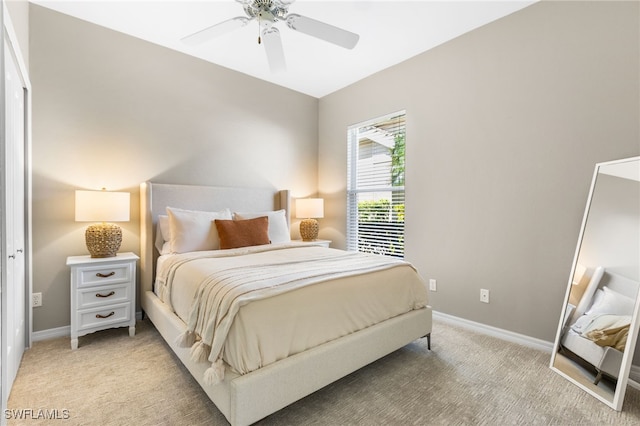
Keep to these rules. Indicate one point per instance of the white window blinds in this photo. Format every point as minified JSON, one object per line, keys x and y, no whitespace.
{"x":375,"y":187}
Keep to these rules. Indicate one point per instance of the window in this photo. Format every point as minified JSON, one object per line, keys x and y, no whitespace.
{"x":375,"y":187}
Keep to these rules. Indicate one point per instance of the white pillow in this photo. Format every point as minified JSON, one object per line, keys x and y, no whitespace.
{"x":612,"y":303}
{"x":595,"y":300}
{"x":193,"y":230}
{"x":163,"y":235}
{"x":278,"y":228}
{"x":165,"y":228}
{"x":166,"y":248}
{"x":159,"y":242}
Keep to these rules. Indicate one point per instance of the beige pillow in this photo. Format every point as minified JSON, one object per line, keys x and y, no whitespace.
{"x":193,"y":230}
{"x":243,"y":233}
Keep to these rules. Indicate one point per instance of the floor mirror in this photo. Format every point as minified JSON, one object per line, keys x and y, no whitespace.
{"x":598,"y":327}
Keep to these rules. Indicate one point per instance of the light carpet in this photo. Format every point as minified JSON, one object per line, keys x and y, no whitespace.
{"x":466,"y":379}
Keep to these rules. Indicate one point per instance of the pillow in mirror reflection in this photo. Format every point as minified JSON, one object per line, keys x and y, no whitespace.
{"x":607,"y":301}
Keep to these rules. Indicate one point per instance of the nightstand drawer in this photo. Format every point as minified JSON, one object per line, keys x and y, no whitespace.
{"x":105,"y":316}
{"x":103,"y":295}
{"x":103,"y":274}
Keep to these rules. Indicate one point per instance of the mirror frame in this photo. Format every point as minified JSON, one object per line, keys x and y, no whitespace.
{"x":627,"y":358}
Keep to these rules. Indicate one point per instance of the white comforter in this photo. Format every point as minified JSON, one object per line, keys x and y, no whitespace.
{"x":591,"y":322}
{"x":302,"y":316}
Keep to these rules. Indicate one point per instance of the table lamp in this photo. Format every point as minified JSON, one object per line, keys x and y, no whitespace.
{"x":309,"y":209}
{"x":104,"y":238}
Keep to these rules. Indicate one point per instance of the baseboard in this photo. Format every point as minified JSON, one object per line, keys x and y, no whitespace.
{"x":53,"y":333}
{"x":521,"y":339}
{"x":509,"y":336}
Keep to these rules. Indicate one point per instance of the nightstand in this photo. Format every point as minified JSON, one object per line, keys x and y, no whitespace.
{"x":323,"y":243}
{"x":103,"y":294}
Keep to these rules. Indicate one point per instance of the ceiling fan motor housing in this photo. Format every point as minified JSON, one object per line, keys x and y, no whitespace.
{"x":267,"y":10}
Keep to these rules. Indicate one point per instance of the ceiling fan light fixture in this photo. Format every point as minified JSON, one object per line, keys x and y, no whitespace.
{"x":277,"y":10}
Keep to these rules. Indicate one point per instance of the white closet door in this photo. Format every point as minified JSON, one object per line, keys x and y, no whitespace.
{"x":14,"y":227}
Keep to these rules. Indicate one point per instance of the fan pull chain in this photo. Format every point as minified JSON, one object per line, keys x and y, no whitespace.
{"x":259,"y":39}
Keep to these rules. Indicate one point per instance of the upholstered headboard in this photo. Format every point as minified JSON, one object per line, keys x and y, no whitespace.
{"x":156,"y":197}
{"x":622,"y":285}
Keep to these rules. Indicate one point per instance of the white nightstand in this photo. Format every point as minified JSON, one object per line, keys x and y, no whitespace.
{"x":103,"y":294}
{"x":323,"y":243}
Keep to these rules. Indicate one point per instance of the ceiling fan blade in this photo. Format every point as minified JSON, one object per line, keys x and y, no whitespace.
{"x":323,"y":31}
{"x":215,"y":30}
{"x":273,"y":47}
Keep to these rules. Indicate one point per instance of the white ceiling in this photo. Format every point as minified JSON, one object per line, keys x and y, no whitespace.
{"x":390,"y":32}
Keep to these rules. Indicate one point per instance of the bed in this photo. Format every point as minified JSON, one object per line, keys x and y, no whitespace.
{"x":244,"y":389}
{"x":597,"y":327}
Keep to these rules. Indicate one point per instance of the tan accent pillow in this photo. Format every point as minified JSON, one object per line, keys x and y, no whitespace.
{"x":243,"y":233}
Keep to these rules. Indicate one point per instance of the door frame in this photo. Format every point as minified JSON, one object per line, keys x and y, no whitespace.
{"x":8,"y":36}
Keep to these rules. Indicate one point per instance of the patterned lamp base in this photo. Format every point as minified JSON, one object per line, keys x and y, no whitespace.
{"x":309,"y":229}
{"x":103,"y":239}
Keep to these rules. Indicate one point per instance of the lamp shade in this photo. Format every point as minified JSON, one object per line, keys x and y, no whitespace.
{"x":307,"y":208}
{"x":102,"y":206}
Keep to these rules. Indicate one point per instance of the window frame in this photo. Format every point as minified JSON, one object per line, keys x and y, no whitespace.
{"x":379,"y":236}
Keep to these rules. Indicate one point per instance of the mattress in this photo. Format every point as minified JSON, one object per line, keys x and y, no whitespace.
{"x":583,"y":347}
{"x":273,"y":328}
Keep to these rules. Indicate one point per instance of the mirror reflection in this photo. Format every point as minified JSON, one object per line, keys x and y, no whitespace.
{"x":598,"y":330}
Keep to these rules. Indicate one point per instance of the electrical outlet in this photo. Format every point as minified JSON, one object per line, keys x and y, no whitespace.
{"x":36,"y":299}
{"x":484,"y":295}
{"x":433,"y":285}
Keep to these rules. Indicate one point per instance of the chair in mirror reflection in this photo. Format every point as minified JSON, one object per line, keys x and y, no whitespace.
{"x":598,"y":329}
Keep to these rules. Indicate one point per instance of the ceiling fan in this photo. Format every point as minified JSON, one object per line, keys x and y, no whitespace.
{"x":268,"y":13}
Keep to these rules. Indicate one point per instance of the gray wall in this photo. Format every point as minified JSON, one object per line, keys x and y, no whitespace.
{"x":113,"y":111}
{"x":504,"y":127}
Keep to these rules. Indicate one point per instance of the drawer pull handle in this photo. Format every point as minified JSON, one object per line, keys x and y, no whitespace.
{"x":101,"y":275}
{"x":105,"y":316}
{"x":106,"y":295}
